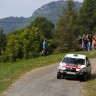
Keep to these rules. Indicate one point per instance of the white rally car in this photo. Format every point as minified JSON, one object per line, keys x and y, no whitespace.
{"x":74,"y":65}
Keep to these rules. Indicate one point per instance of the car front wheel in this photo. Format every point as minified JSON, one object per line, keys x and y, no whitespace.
{"x":84,"y":77}
{"x":58,"y":75}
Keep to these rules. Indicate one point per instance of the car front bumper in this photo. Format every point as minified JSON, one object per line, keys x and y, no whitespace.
{"x":77,"y":73}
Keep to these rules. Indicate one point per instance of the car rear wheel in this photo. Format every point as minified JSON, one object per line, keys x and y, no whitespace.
{"x":58,"y":75}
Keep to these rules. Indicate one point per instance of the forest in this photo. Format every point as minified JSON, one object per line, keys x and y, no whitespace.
{"x":27,"y":43}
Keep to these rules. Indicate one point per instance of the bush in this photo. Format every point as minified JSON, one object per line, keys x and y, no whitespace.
{"x":4,"y":57}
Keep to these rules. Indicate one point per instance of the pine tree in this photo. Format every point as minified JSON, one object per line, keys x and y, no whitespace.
{"x":66,"y":29}
{"x":2,"y":41}
{"x":87,"y":22}
{"x":94,"y":17}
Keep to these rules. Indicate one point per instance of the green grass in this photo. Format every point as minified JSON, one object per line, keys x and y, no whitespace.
{"x":90,"y":87}
{"x":10,"y":72}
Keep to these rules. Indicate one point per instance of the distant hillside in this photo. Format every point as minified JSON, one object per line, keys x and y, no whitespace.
{"x":12,"y":23}
{"x":51,"y":11}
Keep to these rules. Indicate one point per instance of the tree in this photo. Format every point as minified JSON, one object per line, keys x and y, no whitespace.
{"x":94,"y":17}
{"x":44,"y":25}
{"x":14,"y":46}
{"x":2,"y":41}
{"x":65,"y":33}
{"x":87,"y":16}
{"x":31,"y":39}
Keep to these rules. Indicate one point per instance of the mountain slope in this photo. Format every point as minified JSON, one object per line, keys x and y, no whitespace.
{"x":51,"y":11}
{"x":12,"y":23}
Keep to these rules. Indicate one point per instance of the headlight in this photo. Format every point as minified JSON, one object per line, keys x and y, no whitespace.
{"x":61,"y":68}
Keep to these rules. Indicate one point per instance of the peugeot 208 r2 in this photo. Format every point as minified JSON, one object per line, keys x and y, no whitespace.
{"x":74,"y":65}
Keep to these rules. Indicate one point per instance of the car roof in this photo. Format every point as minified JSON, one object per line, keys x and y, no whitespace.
{"x":76,"y":56}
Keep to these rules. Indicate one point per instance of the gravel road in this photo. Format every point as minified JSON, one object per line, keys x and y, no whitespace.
{"x":43,"y":82}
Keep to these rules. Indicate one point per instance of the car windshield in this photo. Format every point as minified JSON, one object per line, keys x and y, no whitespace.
{"x":73,"y":60}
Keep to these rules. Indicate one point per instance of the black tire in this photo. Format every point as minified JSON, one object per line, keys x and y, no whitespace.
{"x":58,"y":75}
{"x":84,"y":77}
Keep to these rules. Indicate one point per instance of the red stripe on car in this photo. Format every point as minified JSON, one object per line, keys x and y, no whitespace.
{"x":78,"y":67}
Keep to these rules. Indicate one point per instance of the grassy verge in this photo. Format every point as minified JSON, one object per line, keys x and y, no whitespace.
{"x":10,"y":72}
{"x":90,"y":88}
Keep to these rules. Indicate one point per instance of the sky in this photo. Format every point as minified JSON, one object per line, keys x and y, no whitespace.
{"x":21,"y":8}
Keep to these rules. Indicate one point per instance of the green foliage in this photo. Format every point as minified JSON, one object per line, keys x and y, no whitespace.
{"x":13,"y":45}
{"x":3,"y":41}
{"x":27,"y":43}
{"x":87,"y":17}
{"x":44,"y":25}
{"x":65,"y":34}
{"x":31,"y":42}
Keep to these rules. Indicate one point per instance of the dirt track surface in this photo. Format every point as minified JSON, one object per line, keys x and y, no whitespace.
{"x":43,"y":82}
